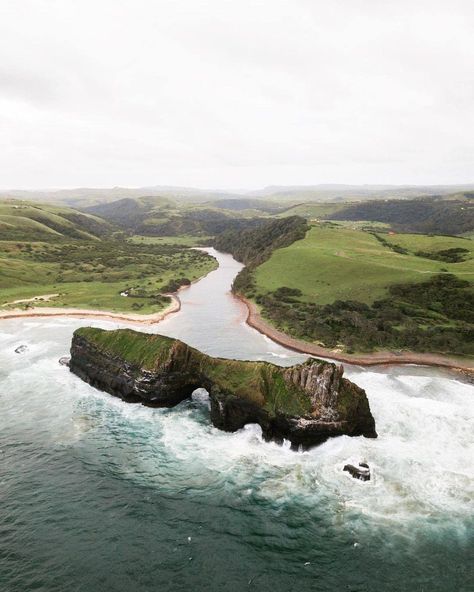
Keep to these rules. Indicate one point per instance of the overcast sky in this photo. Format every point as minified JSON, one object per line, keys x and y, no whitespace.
{"x":235,"y":94}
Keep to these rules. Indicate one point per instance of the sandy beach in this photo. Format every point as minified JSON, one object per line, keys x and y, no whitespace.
{"x":140,"y":319}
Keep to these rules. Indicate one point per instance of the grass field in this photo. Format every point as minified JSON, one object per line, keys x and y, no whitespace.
{"x":344,"y":264}
{"x":423,"y":242}
{"x":371,"y":225}
{"x":91,"y":275}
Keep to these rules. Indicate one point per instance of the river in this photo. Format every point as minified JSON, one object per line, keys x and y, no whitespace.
{"x":97,"y":495}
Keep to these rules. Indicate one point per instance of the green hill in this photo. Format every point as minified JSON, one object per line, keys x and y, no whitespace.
{"x":160,"y":216}
{"x":450,"y":215}
{"x":362,"y":291}
{"x":57,"y":256}
{"x":131,"y":212}
{"x":22,"y":220}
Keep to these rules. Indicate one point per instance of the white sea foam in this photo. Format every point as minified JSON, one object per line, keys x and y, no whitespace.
{"x":422,"y":470}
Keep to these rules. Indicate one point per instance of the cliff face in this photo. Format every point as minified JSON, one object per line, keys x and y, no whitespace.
{"x":305,"y":404}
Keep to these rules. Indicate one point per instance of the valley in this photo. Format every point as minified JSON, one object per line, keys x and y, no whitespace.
{"x":351,"y":277}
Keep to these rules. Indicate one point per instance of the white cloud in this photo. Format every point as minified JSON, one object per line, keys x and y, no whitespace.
{"x":237,"y":93}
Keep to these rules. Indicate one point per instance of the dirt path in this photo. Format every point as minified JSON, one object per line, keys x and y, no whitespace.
{"x":254,"y":319}
{"x":44,"y":298}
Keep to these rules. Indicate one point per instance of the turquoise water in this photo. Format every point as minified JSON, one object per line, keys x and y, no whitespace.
{"x":98,"y":495}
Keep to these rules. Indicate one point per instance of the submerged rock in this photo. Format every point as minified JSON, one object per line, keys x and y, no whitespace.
{"x":362,"y":472}
{"x":21,"y":349}
{"x":305,"y":404}
{"x":64,"y":361}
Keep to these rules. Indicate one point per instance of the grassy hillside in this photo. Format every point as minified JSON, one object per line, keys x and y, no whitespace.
{"x":130,"y":212}
{"x":20,"y":220}
{"x":429,"y":243}
{"x":157,"y":216}
{"x":93,"y":274}
{"x":452,"y":215}
{"x":310,"y":211}
{"x":241,"y":203}
{"x":354,"y":290}
{"x":339,"y":263}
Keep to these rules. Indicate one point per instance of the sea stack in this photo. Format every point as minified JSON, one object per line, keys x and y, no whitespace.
{"x":305,"y":404}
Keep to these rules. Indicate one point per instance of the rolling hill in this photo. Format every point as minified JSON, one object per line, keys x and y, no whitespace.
{"x":450,"y":215}
{"x":160,"y":216}
{"x":22,"y":220}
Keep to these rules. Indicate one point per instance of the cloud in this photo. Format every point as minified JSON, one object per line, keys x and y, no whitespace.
{"x":224,"y":93}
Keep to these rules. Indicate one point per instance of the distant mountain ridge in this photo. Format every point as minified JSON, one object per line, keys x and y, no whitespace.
{"x":83,"y":197}
{"x":342,"y":192}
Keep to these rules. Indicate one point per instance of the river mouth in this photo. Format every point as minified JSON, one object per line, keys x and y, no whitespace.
{"x":100,"y":494}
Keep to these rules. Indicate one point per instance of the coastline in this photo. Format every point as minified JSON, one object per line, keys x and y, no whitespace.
{"x":255,"y":320}
{"x":139,"y":319}
{"x":150,"y":319}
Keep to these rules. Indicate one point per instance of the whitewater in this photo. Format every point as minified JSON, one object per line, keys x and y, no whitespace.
{"x":98,"y":494}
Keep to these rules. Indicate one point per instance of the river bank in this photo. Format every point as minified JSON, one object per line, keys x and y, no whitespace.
{"x":255,"y":320}
{"x":140,"y":319}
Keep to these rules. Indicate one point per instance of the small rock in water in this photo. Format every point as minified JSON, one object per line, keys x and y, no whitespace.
{"x":362,"y":472}
{"x":20,"y":349}
{"x":64,"y":361}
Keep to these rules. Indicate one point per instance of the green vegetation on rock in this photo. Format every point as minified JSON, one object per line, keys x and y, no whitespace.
{"x":263,"y":384}
{"x":258,"y":382}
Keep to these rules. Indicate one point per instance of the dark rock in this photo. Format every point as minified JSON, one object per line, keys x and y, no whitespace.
{"x":21,"y":349}
{"x":362,"y":472}
{"x":305,"y":404}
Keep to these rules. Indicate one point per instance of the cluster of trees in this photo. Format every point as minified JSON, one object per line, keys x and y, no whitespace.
{"x":160,"y":217}
{"x":175,"y":285}
{"x":389,"y":245}
{"x":454,"y":255}
{"x":196,"y":223}
{"x":436,"y":315}
{"x":111,"y":261}
{"x":253,"y":246}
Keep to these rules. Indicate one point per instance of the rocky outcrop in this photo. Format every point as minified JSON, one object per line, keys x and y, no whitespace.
{"x":305,"y":404}
{"x":362,"y":472}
